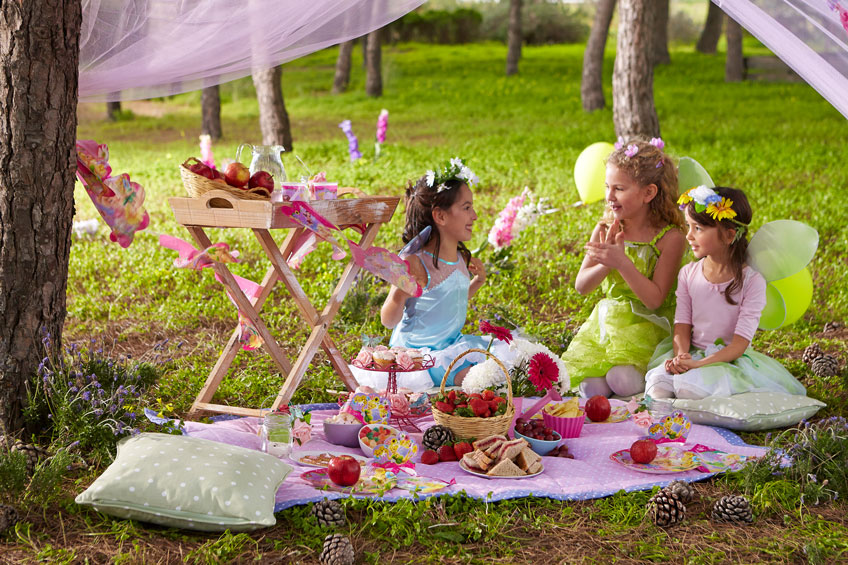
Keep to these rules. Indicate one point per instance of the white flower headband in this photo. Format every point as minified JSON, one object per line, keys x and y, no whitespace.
{"x":454,"y":170}
{"x":708,"y":200}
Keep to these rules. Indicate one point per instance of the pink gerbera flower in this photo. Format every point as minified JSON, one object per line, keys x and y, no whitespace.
{"x":497,"y":332}
{"x":543,"y":371}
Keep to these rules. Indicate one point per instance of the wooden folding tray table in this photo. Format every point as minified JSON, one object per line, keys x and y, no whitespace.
{"x":218,"y":209}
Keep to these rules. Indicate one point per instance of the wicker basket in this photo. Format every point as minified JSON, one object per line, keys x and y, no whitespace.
{"x":196,"y":185}
{"x":477,"y":428}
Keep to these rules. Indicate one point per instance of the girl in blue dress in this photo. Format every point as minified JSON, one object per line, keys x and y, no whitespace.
{"x":439,"y":219}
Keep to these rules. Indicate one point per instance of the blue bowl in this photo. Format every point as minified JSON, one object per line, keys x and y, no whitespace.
{"x":540,"y":446}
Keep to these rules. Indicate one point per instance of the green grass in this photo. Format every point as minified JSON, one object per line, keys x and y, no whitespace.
{"x":781,"y":143}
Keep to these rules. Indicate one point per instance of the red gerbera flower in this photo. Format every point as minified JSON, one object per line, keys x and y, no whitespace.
{"x":496,"y":332}
{"x":543,"y":371}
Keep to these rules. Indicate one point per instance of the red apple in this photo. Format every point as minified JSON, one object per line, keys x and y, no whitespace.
{"x":202,"y":170}
{"x":598,"y":408}
{"x":262,"y":179}
{"x":344,"y":470}
{"x":643,"y":451}
{"x":237,"y":175}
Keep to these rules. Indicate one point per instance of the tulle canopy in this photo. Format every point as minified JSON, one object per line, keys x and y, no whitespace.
{"x":133,"y":49}
{"x":811,"y":36}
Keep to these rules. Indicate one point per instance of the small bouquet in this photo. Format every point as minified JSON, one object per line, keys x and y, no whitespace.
{"x":641,"y":415}
{"x":536,"y":370}
{"x":301,"y":426}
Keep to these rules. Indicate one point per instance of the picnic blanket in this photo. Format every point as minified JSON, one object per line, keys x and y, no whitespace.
{"x":591,"y":474}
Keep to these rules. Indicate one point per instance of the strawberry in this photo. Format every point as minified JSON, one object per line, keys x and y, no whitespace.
{"x":429,"y":457}
{"x":493,"y":405}
{"x":488,"y":394}
{"x":444,"y":407}
{"x":475,"y":395}
{"x":479,"y":406}
{"x":462,"y":405}
{"x":499,"y":399}
{"x":446,"y":453}
{"x":461,"y":448}
{"x":452,"y":397}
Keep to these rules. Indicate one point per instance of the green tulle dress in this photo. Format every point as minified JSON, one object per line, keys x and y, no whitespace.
{"x":621,"y":330}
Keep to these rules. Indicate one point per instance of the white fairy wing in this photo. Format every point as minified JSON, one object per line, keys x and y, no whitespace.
{"x":691,"y":174}
{"x":782,"y":248}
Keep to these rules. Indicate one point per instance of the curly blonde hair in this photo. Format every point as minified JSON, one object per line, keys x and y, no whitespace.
{"x":650,"y":165}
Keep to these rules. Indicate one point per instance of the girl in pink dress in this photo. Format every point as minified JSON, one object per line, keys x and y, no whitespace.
{"x":719,"y":303}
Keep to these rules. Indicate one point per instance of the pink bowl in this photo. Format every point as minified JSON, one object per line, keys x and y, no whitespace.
{"x":567,"y":427}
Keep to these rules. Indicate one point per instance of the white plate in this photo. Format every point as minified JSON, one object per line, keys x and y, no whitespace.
{"x":297,"y":457}
{"x":485,"y":476}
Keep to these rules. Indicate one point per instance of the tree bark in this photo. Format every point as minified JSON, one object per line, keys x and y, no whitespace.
{"x":273,"y":118}
{"x":112,"y":110}
{"x":342,"y":78}
{"x":592,"y":85}
{"x":633,"y":109}
{"x":373,"y":60}
{"x":210,"y":104}
{"x":39,"y":58}
{"x":513,"y":38}
{"x":708,"y":42}
{"x":661,"y":54}
{"x":733,"y":64}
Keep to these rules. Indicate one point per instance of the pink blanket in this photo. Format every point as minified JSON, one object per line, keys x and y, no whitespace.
{"x":591,"y":474}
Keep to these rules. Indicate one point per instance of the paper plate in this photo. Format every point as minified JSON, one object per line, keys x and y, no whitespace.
{"x":485,"y":476}
{"x":423,"y":485}
{"x":669,"y":459}
{"x":618,"y":414}
{"x":321,"y":458}
{"x":367,"y":484}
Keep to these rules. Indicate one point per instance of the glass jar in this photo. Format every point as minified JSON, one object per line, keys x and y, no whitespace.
{"x":276,"y":434}
{"x":658,"y":407}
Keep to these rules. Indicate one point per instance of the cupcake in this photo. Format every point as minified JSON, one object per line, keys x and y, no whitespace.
{"x":417,"y":358}
{"x":383,"y":359}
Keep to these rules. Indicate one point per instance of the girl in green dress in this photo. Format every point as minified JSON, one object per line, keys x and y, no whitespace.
{"x":633,"y":254}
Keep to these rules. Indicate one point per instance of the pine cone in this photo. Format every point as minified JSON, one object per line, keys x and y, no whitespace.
{"x":437,"y":436}
{"x":33,"y":454}
{"x":825,"y":366}
{"x":832,"y":327}
{"x":329,"y":513}
{"x":684,"y":491}
{"x":8,"y":518}
{"x":337,"y":551}
{"x":732,"y":509}
{"x":666,"y":509}
{"x":811,"y":353}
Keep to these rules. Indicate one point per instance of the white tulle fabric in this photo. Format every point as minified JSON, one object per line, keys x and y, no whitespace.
{"x":806,"y":34}
{"x":133,"y":49}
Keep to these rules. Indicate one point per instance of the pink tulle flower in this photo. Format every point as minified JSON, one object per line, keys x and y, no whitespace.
{"x":301,"y":432}
{"x":643,"y":419}
{"x":399,"y":404}
{"x":363,"y":359}
{"x":631,"y":150}
{"x":382,"y":125}
{"x":543,"y":371}
{"x":501,"y":234}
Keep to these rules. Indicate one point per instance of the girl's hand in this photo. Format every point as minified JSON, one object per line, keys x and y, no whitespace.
{"x":677,"y":364}
{"x":609,"y":251}
{"x":477,"y":270}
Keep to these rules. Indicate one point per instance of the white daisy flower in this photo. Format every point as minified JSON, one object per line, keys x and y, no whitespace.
{"x":431,"y":178}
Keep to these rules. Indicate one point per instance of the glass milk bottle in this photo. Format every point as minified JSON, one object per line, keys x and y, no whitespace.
{"x":277,"y":434}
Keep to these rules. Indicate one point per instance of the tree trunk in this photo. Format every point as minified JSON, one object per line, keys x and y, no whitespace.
{"x":342,"y":78}
{"x":273,"y":118}
{"x":210,"y":103}
{"x":513,"y":37}
{"x":708,"y":42}
{"x":39,"y":55}
{"x":112,"y":110}
{"x":733,"y":64}
{"x":592,"y":86}
{"x":661,"y":54}
{"x":373,"y":71}
{"x":633,"y":109}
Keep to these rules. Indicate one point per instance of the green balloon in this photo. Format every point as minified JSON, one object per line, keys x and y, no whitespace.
{"x":690,"y":174}
{"x":590,"y":171}
{"x":787,"y":300}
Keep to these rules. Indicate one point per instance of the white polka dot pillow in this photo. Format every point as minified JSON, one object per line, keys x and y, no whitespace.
{"x":188,"y":482}
{"x":750,"y":411}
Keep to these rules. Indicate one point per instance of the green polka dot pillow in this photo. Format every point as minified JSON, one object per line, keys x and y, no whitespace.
{"x":750,"y":411}
{"x":187,"y":482}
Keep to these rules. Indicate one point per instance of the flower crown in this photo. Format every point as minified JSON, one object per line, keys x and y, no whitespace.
{"x":454,"y":170}
{"x":707,"y":200}
{"x":633,"y":149}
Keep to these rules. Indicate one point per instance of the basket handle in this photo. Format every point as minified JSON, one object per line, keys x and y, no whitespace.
{"x":488,"y":354}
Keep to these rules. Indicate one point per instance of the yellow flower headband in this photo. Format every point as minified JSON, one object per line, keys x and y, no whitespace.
{"x":707,"y":200}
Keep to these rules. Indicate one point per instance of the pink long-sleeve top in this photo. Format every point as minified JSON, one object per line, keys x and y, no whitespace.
{"x":702,"y":304}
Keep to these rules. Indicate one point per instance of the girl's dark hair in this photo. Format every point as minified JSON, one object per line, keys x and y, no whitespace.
{"x":739,"y":248}
{"x":421,"y":200}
